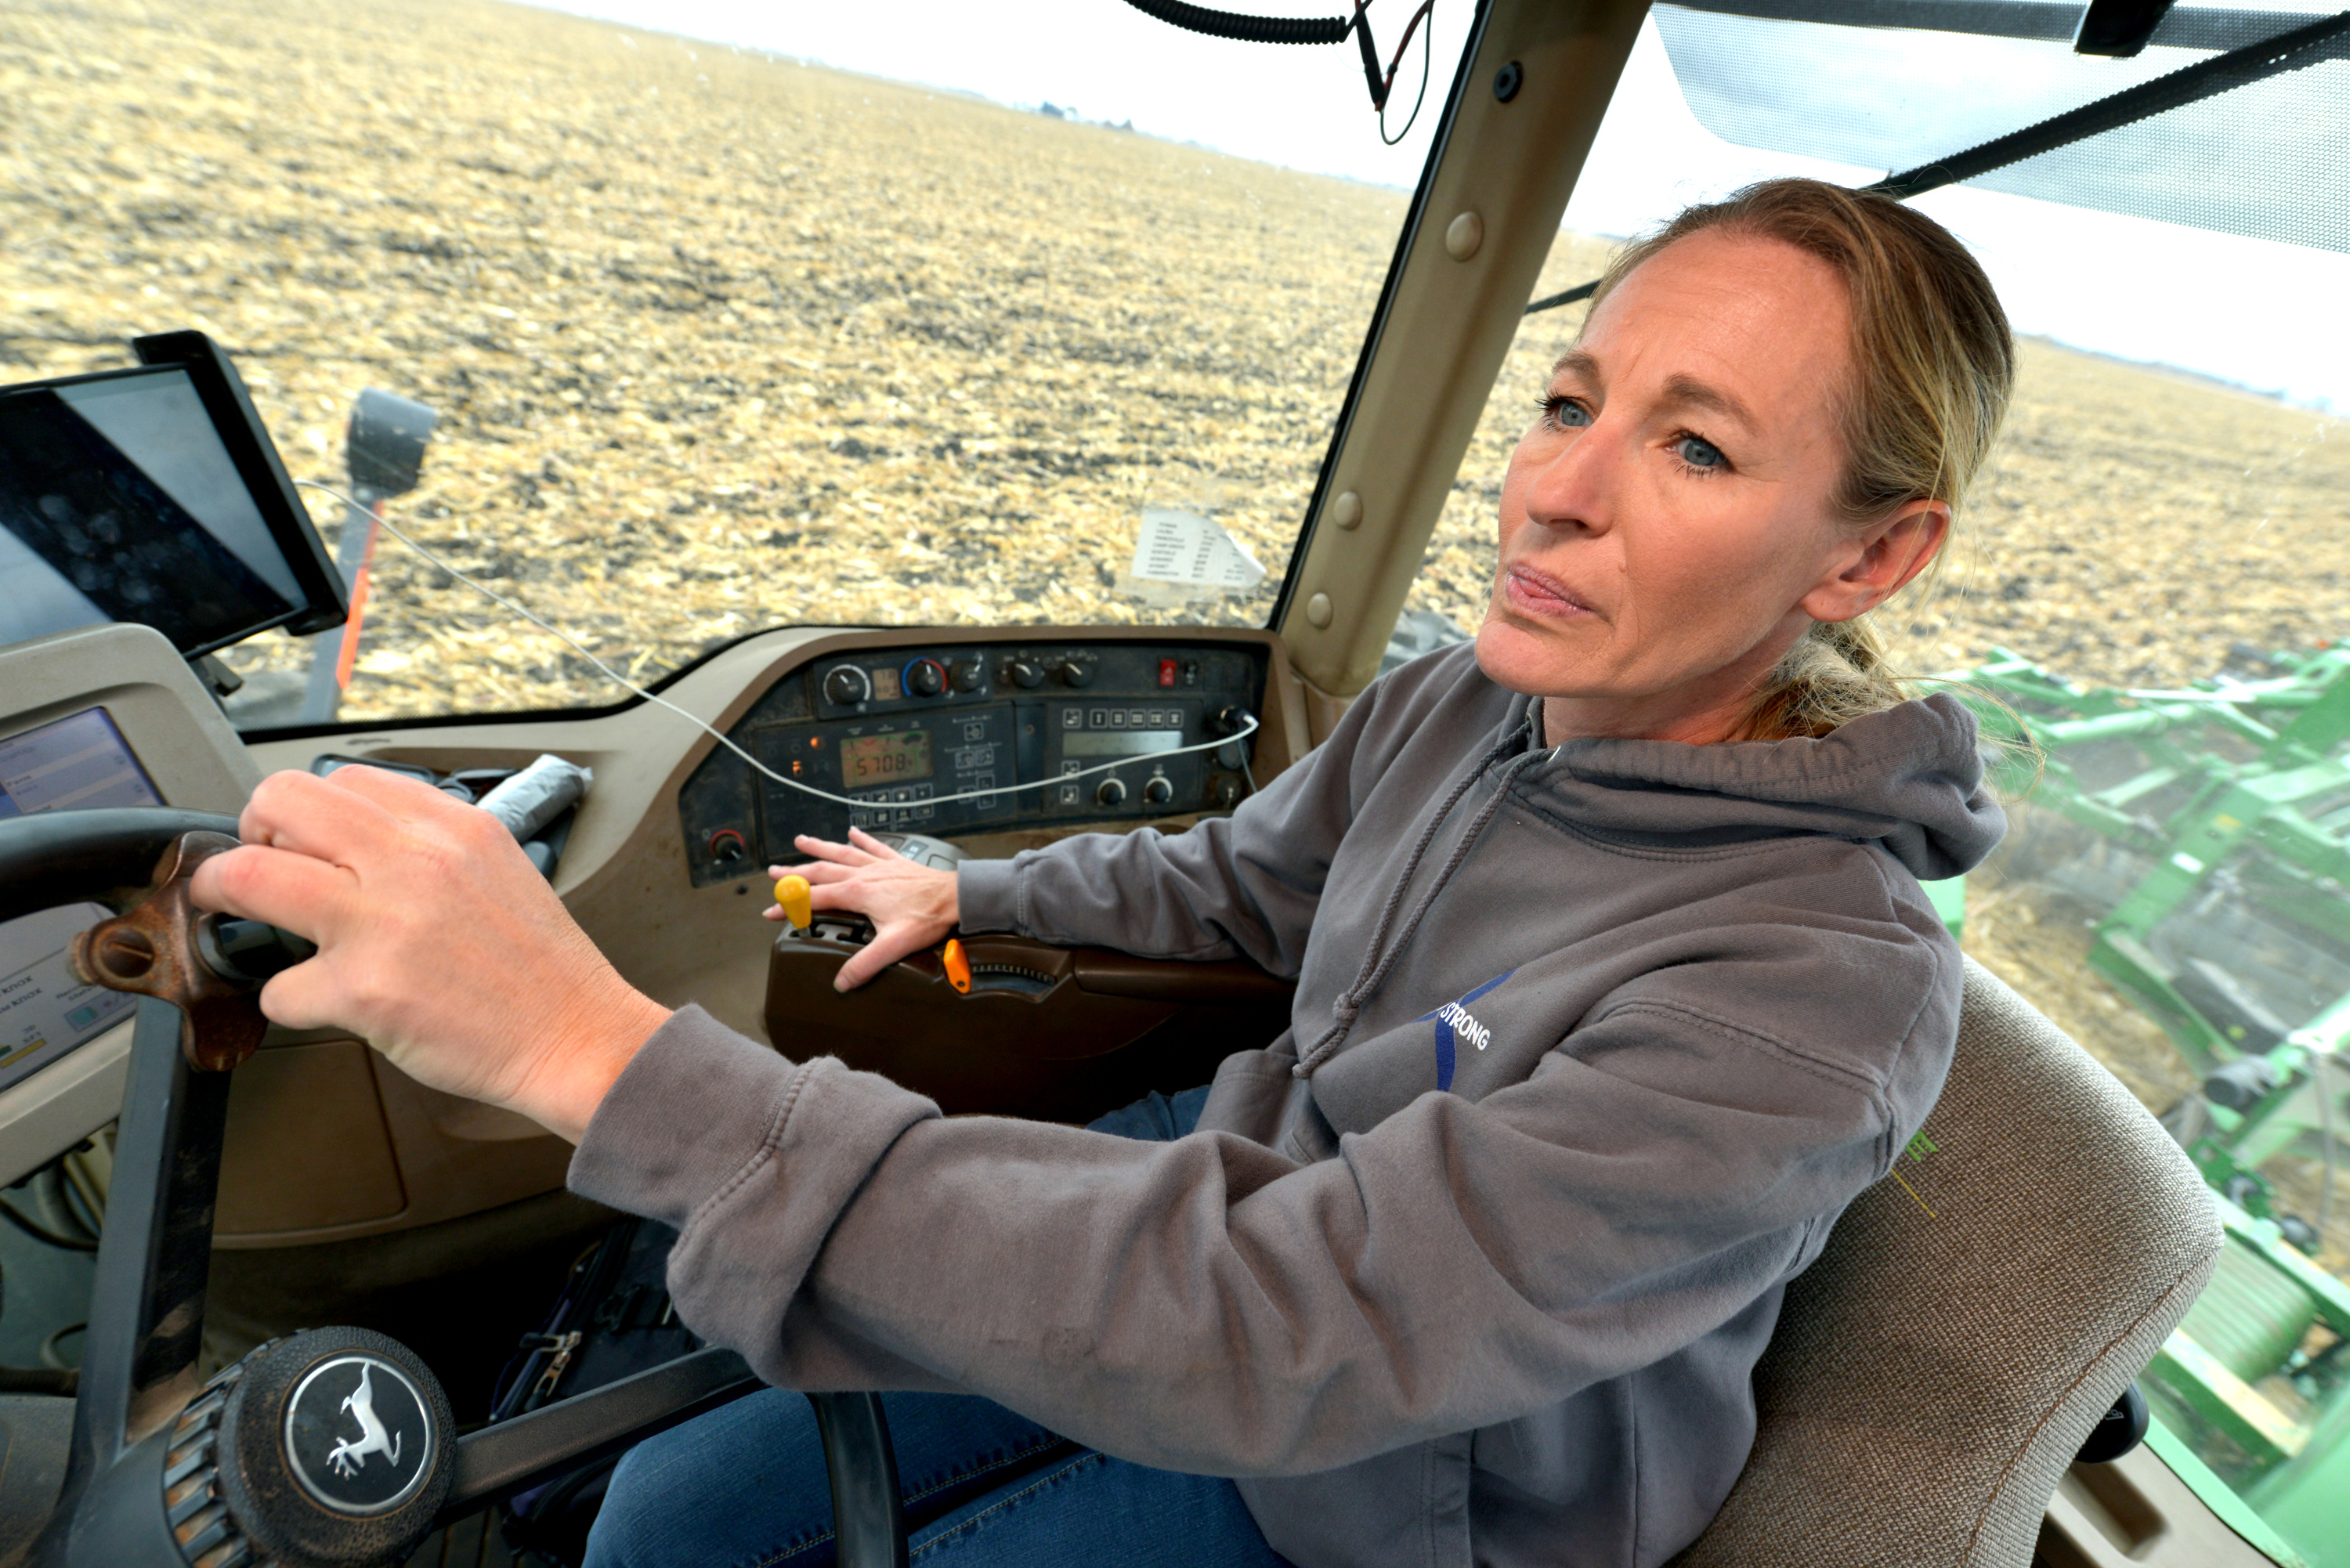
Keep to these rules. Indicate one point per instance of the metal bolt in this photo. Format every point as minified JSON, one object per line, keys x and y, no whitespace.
{"x":1464,"y":236}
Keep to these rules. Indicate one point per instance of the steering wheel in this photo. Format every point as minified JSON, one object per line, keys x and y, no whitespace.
{"x":333,"y":1448}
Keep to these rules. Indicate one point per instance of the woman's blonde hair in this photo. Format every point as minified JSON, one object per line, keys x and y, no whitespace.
{"x":1932,"y":365}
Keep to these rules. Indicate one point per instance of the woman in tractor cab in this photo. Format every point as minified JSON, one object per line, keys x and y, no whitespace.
{"x":1616,"y":986}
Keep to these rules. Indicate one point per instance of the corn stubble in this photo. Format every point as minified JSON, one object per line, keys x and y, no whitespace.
{"x":718,"y":341}
{"x":722,"y":341}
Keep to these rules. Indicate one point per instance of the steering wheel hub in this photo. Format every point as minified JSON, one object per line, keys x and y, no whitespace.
{"x":332,"y":1451}
{"x":333,"y":1445}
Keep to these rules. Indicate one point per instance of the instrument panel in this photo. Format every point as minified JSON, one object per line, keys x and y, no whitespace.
{"x":97,"y":716}
{"x":949,"y":739}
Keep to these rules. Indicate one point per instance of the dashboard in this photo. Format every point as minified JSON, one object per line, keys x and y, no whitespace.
{"x":951,"y":739}
{"x":98,"y":716}
{"x":81,"y":760}
{"x":999,"y":738}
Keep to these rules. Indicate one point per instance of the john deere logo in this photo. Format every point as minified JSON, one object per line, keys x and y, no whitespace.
{"x":357,"y":1435}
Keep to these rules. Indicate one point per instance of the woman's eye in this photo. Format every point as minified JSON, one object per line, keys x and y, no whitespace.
{"x":1567,"y":412}
{"x":1699,"y":452}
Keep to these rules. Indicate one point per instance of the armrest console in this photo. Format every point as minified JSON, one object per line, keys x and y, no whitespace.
{"x":1048,"y":1032}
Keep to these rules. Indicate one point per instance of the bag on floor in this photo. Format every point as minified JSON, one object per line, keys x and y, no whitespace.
{"x":613,"y":1319}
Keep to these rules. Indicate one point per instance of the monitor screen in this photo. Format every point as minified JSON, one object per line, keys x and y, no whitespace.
{"x":120,"y":501}
{"x":82,"y":762}
{"x":1120,"y":743}
{"x":869,"y":760}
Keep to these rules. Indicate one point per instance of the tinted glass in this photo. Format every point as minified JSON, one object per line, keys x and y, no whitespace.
{"x":2239,"y":161}
{"x":119,"y":502}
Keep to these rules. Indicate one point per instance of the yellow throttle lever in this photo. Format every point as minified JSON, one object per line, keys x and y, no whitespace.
{"x":792,"y":893}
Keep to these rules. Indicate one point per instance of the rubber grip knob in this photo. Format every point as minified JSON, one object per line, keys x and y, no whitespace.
{"x":792,"y":893}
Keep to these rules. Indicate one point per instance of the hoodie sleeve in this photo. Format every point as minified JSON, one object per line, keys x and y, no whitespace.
{"x":1212,"y":1306}
{"x":1246,"y":885}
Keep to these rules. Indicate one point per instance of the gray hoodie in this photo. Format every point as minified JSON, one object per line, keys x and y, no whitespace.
{"x":1592,"y":1044}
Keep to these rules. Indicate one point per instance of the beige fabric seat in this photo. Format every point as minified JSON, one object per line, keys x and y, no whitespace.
{"x":1935,"y":1371}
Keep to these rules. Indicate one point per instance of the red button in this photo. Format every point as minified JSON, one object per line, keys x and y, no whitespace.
{"x":1166,"y":672}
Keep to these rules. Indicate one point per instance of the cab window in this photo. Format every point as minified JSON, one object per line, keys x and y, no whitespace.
{"x":719,"y":338}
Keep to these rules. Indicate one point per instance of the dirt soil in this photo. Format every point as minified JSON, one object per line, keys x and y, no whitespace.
{"x":718,"y":340}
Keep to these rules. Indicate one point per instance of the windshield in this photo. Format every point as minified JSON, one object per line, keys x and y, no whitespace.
{"x":721,"y":339}
{"x":2153,"y":574}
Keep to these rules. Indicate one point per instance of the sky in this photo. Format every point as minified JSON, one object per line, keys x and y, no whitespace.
{"x":2260,"y":314}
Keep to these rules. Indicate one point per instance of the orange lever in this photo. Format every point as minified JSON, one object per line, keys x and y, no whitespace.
{"x":958,"y":967}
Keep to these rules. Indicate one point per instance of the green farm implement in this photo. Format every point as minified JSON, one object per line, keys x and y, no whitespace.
{"x":2217,"y":854}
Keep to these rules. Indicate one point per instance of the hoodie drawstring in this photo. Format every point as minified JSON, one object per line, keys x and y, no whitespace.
{"x":1381,"y":955}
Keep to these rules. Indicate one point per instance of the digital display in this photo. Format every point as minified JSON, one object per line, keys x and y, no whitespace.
{"x":77,"y":762}
{"x":868,"y":760}
{"x":119,"y":502}
{"x":1119,"y":742}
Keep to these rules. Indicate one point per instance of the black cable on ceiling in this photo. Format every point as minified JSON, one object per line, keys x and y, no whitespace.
{"x":1247,"y":29}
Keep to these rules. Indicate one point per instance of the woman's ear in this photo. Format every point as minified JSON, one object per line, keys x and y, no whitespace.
{"x":1879,"y":561}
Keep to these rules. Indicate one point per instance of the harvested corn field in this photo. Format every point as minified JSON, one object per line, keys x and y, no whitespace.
{"x":718,"y":341}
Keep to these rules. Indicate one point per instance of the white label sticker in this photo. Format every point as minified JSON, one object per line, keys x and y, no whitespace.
{"x":1185,"y":551}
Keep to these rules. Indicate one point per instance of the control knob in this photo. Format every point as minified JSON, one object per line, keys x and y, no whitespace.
{"x":1077,"y":674}
{"x":1158,"y":792}
{"x":970,"y":674}
{"x":846,"y":686}
{"x":926,"y":677}
{"x":1025,"y":673}
{"x":1111,"y":793}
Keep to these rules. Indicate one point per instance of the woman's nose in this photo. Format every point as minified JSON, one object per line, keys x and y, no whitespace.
{"x":1573,"y":487}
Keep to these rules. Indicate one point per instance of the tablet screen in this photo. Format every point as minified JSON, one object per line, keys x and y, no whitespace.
{"x":119,"y":502}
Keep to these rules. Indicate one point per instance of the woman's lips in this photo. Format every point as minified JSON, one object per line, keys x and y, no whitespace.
{"x":1535,"y":593}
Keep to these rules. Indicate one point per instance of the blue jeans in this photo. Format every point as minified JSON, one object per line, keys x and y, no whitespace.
{"x":744,"y":1486}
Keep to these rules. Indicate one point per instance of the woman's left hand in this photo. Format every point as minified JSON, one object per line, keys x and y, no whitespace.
{"x":439,"y":942}
{"x":910,"y":906}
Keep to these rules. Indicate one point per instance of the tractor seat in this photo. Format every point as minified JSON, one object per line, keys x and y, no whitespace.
{"x":1935,"y":1371}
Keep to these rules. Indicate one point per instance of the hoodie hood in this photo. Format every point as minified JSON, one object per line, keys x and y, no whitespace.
{"x":1908,"y":779}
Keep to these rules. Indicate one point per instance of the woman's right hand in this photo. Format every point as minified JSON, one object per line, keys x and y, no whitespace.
{"x":910,"y":906}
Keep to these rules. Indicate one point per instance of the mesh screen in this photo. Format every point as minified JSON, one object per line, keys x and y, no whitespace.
{"x":2258,"y":161}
